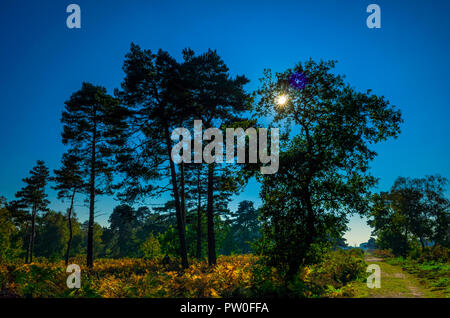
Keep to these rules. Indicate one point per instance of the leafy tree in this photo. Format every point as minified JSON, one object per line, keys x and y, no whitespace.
{"x":323,"y":173}
{"x":169,"y":241}
{"x":437,"y":207}
{"x":52,"y":235}
{"x":125,"y":223}
{"x":69,"y":181}
{"x":99,"y":249}
{"x":33,"y":196}
{"x":20,"y":217}
{"x":388,"y":225}
{"x":93,"y":130}
{"x":414,"y":209}
{"x":151,"y":247}
{"x":10,"y":242}
{"x":245,"y":226}
{"x":371,"y":243}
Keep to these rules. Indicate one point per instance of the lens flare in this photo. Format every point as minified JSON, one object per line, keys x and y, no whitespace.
{"x":282,"y":100}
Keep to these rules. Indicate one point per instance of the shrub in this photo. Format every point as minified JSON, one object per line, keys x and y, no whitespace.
{"x":434,"y":254}
{"x":151,"y":247}
{"x":383,"y":253}
{"x":233,"y":276}
{"x":337,"y":270}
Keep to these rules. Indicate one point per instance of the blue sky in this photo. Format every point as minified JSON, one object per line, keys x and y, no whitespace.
{"x":42,"y":62}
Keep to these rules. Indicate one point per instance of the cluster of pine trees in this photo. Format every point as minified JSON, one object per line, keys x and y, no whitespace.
{"x":121,"y":145}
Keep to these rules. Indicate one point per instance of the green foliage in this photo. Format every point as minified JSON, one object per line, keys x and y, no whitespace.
{"x":33,"y":195}
{"x":245,"y":227}
{"x":69,"y":178}
{"x":39,"y":280}
{"x":52,"y":236}
{"x":328,"y":131}
{"x":151,"y":247}
{"x":339,"y":268}
{"x":414,"y":211}
{"x":10,"y":241}
{"x":431,"y":266}
{"x":169,"y":242}
{"x":126,"y":225}
{"x":234,"y":276}
{"x":323,"y":173}
{"x":383,"y":253}
{"x":93,"y":128}
{"x":436,"y":253}
{"x":331,"y":277}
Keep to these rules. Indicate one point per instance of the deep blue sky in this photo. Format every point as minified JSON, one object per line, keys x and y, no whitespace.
{"x":42,"y":62}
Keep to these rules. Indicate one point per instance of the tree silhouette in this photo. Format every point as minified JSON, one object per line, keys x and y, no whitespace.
{"x":245,"y":226}
{"x":323,"y":172}
{"x":33,"y":196}
{"x":69,"y":181}
{"x":414,"y":209}
{"x":93,"y":130}
{"x":154,"y":92}
{"x":218,"y":100}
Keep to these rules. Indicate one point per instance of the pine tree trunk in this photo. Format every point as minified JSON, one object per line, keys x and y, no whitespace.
{"x":180,"y":223}
{"x":90,"y":243}
{"x":199,"y":217}
{"x":33,"y":226}
{"x":212,"y":260}
{"x":69,"y":220}
{"x":27,"y":255}
{"x":183,"y":198}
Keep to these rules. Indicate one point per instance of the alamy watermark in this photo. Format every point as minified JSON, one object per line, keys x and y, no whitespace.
{"x":374,"y":280}
{"x":374,"y":19}
{"x":73,"y":20}
{"x":213,"y":151}
{"x":74,"y":279}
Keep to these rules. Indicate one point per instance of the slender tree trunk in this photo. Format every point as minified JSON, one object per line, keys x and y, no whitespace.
{"x":33,"y":226}
{"x":199,"y":217}
{"x":27,"y":255}
{"x":406,"y":243}
{"x":69,"y":220}
{"x":212,"y":259}
{"x":183,"y":198}
{"x":310,"y":237}
{"x":90,"y":243}
{"x":180,"y":223}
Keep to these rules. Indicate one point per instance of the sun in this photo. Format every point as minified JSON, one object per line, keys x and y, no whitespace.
{"x":282,"y":100}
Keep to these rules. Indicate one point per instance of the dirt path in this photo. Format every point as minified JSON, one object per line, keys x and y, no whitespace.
{"x":395,"y":283}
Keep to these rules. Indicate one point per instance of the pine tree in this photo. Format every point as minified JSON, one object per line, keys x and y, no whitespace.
{"x":69,"y":181}
{"x":154,"y":92}
{"x":93,"y":127}
{"x":33,"y":196}
{"x":218,"y":100}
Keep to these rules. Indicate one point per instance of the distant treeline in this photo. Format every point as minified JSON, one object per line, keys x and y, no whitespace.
{"x":135,"y":233}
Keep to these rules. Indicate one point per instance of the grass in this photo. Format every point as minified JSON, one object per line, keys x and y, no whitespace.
{"x":435,"y":276}
{"x":403,"y":279}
